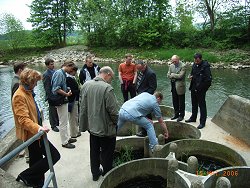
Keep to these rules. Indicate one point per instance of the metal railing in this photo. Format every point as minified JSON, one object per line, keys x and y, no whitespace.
{"x":17,"y":150}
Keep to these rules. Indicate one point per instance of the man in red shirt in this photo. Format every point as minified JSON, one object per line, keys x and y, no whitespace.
{"x":127,"y":76}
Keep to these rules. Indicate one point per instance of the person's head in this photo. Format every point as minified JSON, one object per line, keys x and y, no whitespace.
{"x":19,"y":67}
{"x":175,"y":59}
{"x":140,"y":65}
{"x":74,"y":70}
{"x":107,"y":74}
{"x":30,"y":77}
{"x":197,"y":58}
{"x":49,"y":63}
{"x":89,"y":60}
{"x":68,"y":66}
{"x":128,"y":59}
{"x":158,"y":95}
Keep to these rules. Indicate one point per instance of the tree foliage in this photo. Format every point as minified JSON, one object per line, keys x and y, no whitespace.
{"x":51,"y":20}
{"x":13,"y":30}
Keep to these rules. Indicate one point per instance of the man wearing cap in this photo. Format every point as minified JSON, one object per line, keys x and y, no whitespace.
{"x":176,"y":73}
{"x":201,"y":79}
{"x":47,"y":75}
{"x":146,"y":82}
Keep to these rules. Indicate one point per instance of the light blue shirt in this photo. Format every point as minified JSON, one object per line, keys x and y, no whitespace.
{"x":58,"y":81}
{"x":142,"y":105}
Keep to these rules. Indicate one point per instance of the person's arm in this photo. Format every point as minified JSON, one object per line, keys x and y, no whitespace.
{"x":47,"y":85}
{"x":179,"y":75}
{"x":120,"y":74}
{"x":14,"y":88}
{"x":83,"y":111}
{"x":135,"y":75}
{"x":82,"y":77}
{"x":164,"y":127}
{"x":111,"y":105}
{"x":21,"y":111}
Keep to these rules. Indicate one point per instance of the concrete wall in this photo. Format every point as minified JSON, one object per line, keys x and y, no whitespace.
{"x":238,"y":177}
{"x":234,"y":117}
{"x":205,"y":148}
{"x":136,"y":168}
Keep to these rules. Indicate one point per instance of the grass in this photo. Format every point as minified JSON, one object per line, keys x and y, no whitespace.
{"x":186,"y":54}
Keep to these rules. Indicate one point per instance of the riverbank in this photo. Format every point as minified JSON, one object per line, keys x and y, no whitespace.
{"x":231,"y":59}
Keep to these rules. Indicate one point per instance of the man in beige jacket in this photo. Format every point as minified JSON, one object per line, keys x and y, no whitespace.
{"x":176,"y":74}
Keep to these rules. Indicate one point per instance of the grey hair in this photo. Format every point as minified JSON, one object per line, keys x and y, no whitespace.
{"x":106,"y":70}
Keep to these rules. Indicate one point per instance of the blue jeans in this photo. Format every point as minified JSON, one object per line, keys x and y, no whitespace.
{"x":124,"y":116}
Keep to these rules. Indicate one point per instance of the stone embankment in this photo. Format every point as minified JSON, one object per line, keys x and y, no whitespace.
{"x":78,"y":54}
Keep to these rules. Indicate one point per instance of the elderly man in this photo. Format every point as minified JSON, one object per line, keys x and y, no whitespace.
{"x":176,"y":73}
{"x":135,"y":111}
{"x":99,"y":115}
{"x":201,"y":79}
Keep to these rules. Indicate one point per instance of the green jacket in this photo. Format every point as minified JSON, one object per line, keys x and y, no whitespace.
{"x":98,"y":108}
{"x":178,"y":75}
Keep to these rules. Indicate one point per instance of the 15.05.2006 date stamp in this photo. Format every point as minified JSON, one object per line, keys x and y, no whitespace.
{"x":224,"y":173}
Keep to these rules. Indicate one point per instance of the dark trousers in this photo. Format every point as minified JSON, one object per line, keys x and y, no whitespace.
{"x":130,"y":89}
{"x":199,"y":99}
{"x":178,"y":102}
{"x":53,"y":116}
{"x":38,"y":164}
{"x":101,"y":152}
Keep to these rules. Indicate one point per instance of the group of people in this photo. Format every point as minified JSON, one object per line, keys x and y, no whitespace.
{"x":93,"y":107}
{"x":200,"y":80}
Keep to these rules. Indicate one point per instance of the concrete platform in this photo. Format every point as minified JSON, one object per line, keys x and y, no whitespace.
{"x":73,"y":169}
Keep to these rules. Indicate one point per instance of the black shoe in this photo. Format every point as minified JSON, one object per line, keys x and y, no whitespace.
{"x":96,"y":177}
{"x":190,"y":120}
{"x":19,"y":177}
{"x":55,"y":129}
{"x":69,"y":146}
{"x":141,"y":134}
{"x":179,"y":119}
{"x":174,"y":117}
{"x":29,"y":184}
{"x":72,"y":140}
{"x":201,"y":126}
{"x":79,"y":134}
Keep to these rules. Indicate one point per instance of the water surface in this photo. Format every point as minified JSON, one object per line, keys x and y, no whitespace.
{"x":225,"y":82}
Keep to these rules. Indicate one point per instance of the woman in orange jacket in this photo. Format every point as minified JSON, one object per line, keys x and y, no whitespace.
{"x":28,"y":122}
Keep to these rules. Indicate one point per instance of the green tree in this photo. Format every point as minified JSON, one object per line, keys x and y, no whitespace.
{"x":13,"y":29}
{"x":51,"y":20}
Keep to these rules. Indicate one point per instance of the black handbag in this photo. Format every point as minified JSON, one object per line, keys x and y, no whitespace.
{"x":57,"y":100}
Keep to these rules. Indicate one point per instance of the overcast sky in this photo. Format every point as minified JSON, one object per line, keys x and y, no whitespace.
{"x":18,"y":8}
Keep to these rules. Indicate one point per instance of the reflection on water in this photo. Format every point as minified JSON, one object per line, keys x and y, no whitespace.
{"x":225,"y":83}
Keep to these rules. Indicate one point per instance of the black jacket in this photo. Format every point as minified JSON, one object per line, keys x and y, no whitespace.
{"x":72,"y":83}
{"x":148,"y":82}
{"x":202,"y":77}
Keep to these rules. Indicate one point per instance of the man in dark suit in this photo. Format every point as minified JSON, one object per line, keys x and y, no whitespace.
{"x":146,"y":82}
{"x":201,"y":79}
{"x":47,"y":75}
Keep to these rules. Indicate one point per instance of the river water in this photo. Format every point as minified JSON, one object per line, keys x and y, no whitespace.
{"x":225,"y":82}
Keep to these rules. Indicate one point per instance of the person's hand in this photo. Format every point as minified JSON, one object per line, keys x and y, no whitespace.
{"x":44,"y":128}
{"x":166,"y":135}
{"x":151,"y":121}
{"x":69,"y":93}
